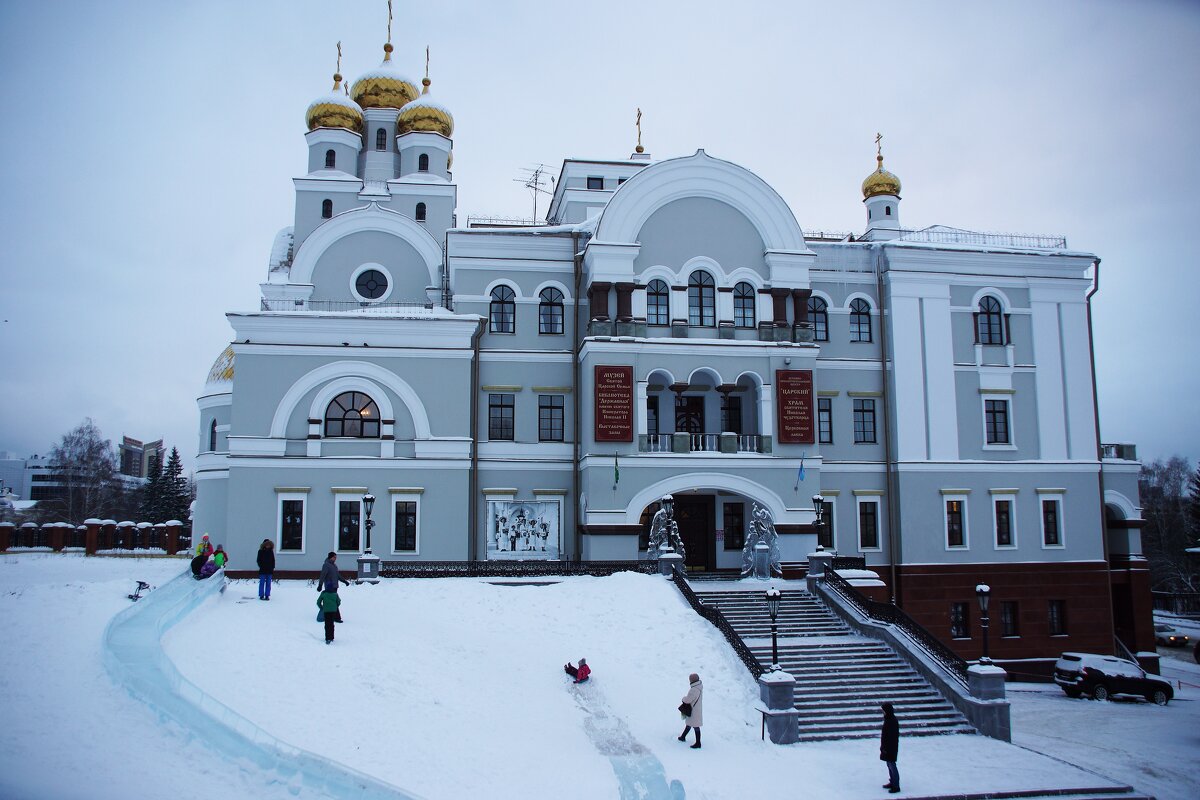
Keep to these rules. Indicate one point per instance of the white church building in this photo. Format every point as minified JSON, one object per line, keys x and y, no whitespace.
{"x":533,"y":391}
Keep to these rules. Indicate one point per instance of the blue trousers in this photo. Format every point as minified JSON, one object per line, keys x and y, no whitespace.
{"x":894,"y":774}
{"x":264,"y":584}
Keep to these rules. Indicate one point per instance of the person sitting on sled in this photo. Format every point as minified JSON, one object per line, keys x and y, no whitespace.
{"x":580,"y":673}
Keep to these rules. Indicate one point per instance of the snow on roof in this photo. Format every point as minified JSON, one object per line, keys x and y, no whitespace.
{"x":336,"y":99}
{"x":424,"y":101}
{"x":281,"y":249}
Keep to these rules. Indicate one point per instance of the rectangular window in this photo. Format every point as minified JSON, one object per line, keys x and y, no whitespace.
{"x":825,"y":536}
{"x":1051,"y":534}
{"x":349,"y":531}
{"x":500,"y":417}
{"x":1010,"y":617}
{"x":291,"y":525}
{"x":1004,"y":531}
{"x":868,"y":525}
{"x":735,"y":526}
{"x":825,"y":420}
{"x":955,"y":531}
{"x":594,"y":182}
{"x":731,"y":414}
{"x":995,"y":414}
{"x":864,"y":421}
{"x":960,"y":621}
{"x":1058,"y":617}
{"x":652,"y":416}
{"x":405,"y":528}
{"x":550,"y":417}
{"x":689,"y":414}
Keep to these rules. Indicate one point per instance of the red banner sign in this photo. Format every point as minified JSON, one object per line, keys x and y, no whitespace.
{"x":794,"y":405}
{"x":614,"y":404}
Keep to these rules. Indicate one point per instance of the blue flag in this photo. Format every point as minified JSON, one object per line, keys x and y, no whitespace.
{"x":800,"y":472}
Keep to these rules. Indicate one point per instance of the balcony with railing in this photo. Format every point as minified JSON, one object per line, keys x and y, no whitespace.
{"x":709,"y":443}
{"x":348,"y":307}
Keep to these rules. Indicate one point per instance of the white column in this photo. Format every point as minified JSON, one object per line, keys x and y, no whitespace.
{"x":639,"y":408}
{"x":1049,"y":378}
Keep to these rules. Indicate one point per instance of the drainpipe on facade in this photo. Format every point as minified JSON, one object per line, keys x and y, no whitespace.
{"x":577,"y":258}
{"x":473,"y":524}
{"x":894,"y":549}
{"x":1100,"y":455}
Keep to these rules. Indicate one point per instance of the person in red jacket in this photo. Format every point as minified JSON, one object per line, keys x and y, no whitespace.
{"x":580,"y":673}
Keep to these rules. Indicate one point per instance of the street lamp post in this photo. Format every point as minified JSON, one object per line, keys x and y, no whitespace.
{"x":773,"y":598}
{"x":983,"y":592}
{"x":369,"y":505}
{"x":819,"y":510}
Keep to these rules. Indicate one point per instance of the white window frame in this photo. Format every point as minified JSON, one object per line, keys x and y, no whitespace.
{"x":378,"y":268}
{"x":404,"y":496}
{"x":1012,"y":428}
{"x":1011,"y":497}
{"x":1058,"y":496}
{"x":294,"y":494}
{"x":344,"y":496}
{"x":859,"y":501}
{"x":951,"y":496}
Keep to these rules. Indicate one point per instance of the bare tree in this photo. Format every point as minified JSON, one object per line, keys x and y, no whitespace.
{"x":1165,"y":536}
{"x":84,"y":467}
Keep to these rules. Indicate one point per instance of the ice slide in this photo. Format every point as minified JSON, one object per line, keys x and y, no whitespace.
{"x":134,"y":657}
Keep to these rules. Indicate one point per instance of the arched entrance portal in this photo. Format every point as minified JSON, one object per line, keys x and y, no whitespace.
{"x":712,"y":525}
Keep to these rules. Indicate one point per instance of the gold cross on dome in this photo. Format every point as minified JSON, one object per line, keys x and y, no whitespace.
{"x":339,"y":66}
{"x":389,"y":22}
{"x":878,"y":146}
{"x":638,"y":123}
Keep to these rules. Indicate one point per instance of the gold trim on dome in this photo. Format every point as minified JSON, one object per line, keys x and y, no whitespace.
{"x":880,"y":182}
{"x":222,"y":368}
{"x":427,"y":118}
{"x":334,"y":115}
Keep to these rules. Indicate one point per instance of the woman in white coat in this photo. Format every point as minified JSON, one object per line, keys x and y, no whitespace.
{"x":695,"y":698}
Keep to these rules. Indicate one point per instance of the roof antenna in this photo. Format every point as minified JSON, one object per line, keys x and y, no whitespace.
{"x":535,"y":181}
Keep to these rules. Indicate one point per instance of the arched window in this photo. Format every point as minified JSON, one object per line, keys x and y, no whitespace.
{"x":658,"y":303}
{"x":212,"y":437}
{"x":860,"y":320}
{"x":502,"y":311}
{"x":330,"y":159}
{"x":420,"y":212}
{"x":989,"y":322}
{"x":423,"y":162}
{"x":352,"y":414}
{"x":818,"y":315}
{"x":381,"y":139}
{"x":326,"y":209}
{"x":702,"y":300}
{"x":743,"y":305}
{"x":887,"y":211}
{"x":550,"y":311}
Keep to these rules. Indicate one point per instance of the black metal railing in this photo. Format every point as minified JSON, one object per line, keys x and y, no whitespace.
{"x":344,"y":306}
{"x":510,"y":569}
{"x":848,"y":562}
{"x":890,"y":614}
{"x":1182,"y":603}
{"x":714,"y":615}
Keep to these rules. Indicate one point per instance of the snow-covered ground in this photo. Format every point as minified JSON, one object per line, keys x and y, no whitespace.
{"x":454,"y":688}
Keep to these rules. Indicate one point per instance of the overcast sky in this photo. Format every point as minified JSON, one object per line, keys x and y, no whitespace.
{"x":150,"y":149}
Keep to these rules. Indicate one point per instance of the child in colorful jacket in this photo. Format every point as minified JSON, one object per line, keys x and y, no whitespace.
{"x":328,"y":602}
{"x":220,"y":557}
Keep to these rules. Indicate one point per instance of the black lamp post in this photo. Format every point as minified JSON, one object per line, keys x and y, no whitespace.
{"x":369,"y":505}
{"x":773,"y":598}
{"x":983,"y":592}
{"x":819,"y":509}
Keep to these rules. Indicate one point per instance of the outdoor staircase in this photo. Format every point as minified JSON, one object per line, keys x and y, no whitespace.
{"x":841,"y":676}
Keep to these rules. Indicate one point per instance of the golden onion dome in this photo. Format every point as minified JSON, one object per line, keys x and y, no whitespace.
{"x":334,"y":110}
{"x":384,"y":86}
{"x":423,"y":114}
{"x":222,"y":368}
{"x":880,"y":182}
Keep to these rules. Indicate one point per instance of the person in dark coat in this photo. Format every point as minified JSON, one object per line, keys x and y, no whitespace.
{"x":889,"y":746}
{"x":328,"y":582}
{"x":266,"y":568}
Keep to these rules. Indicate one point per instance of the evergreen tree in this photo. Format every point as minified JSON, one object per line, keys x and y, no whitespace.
{"x":152,"y":493}
{"x":176,"y":495}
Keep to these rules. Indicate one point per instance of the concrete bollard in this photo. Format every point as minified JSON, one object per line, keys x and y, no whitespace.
{"x":669,"y":562}
{"x":777,"y":692}
{"x":986,"y":681}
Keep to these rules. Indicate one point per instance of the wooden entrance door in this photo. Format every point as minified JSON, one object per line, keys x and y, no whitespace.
{"x":695,"y":516}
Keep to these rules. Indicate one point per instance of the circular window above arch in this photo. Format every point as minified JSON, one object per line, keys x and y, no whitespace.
{"x":371,"y":283}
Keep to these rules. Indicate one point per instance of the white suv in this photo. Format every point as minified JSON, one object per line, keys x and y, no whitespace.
{"x":1101,"y":676}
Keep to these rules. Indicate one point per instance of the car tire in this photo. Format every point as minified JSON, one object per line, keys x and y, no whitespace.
{"x":1158,"y":697}
{"x":1100,"y":692}
{"x":1073,"y":693}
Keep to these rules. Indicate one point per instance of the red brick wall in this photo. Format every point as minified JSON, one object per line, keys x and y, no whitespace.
{"x":927,"y":592}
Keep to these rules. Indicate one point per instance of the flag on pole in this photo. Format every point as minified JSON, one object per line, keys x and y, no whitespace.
{"x":800,"y":473}
{"x":616,"y":471}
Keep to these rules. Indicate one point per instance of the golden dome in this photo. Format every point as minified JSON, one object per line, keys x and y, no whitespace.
{"x":880,"y":182}
{"x":384,"y":86}
{"x":334,"y":110}
{"x":222,"y":368}
{"x":423,"y":114}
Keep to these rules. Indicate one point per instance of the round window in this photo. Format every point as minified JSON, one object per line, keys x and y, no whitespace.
{"x":371,"y":284}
